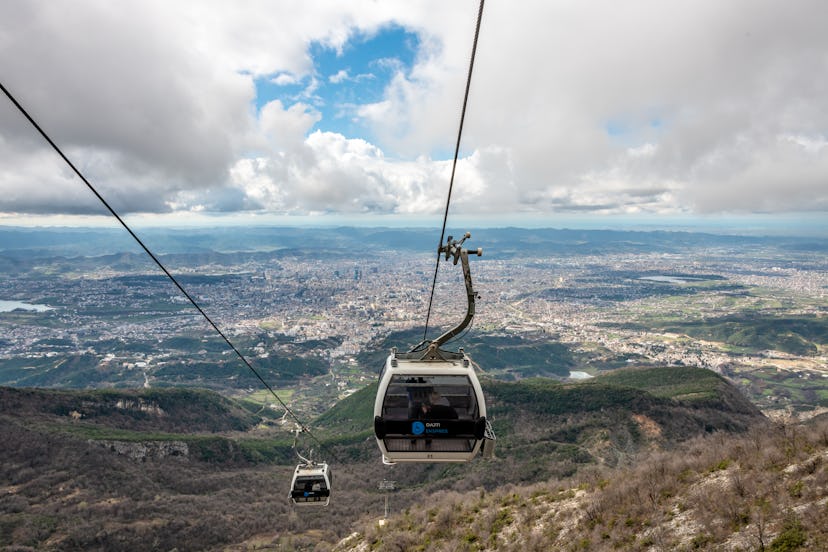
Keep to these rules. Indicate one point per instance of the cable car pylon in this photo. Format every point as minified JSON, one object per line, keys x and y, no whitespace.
{"x":430,"y":405}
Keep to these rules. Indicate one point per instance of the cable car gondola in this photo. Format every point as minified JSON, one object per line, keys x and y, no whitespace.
{"x":311,"y":485}
{"x":430,"y":405}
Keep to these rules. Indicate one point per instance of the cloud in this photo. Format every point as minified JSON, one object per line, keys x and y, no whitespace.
{"x":340,"y":76}
{"x":284,"y":79}
{"x":330,"y":173}
{"x":780,"y":173}
{"x":600,"y":107}
{"x":687,"y":88}
{"x":123,"y":92}
{"x":282,"y":129}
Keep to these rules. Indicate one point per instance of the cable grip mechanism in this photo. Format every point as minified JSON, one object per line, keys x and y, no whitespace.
{"x":453,"y":250}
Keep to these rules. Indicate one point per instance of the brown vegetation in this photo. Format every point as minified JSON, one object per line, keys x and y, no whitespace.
{"x":765,"y":490}
{"x":126,"y":474}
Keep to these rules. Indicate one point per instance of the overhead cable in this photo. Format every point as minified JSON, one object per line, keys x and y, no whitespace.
{"x":454,"y":165}
{"x":157,"y":262}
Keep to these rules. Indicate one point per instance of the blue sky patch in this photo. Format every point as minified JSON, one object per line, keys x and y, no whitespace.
{"x":633,"y":132}
{"x":343,"y":81}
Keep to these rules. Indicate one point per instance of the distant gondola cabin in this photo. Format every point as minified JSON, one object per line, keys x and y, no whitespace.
{"x":311,"y":485}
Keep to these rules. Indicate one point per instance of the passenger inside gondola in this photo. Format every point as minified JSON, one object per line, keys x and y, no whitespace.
{"x":417,"y":399}
{"x":437,"y":407}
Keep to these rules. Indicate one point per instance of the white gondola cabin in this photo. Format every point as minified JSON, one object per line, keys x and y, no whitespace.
{"x":430,"y":405}
{"x":311,"y":485}
{"x":429,"y":411}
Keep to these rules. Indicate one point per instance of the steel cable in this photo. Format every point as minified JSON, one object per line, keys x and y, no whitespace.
{"x":158,"y":262}
{"x":454,"y":166}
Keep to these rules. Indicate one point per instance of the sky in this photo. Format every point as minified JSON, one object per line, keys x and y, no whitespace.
{"x":181,"y":112}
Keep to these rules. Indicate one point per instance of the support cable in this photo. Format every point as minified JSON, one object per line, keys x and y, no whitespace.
{"x":454,"y":165}
{"x":158,"y":262}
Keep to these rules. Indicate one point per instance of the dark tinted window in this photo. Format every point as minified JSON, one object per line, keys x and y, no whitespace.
{"x":429,"y":396}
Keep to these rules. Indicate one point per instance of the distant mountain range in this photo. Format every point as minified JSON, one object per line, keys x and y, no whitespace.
{"x":21,"y":243}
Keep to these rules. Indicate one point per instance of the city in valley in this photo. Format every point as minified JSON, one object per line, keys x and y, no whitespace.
{"x":316,"y":311}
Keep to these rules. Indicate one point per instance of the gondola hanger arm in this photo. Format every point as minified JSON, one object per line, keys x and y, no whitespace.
{"x":453,"y":250}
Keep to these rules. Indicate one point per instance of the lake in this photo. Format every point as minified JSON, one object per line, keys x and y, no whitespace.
{"x":579,"y":375}
{"x":8,"y":306}
{"x":670,"y":279}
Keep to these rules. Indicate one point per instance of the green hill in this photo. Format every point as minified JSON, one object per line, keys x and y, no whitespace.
{"x":176,"y":410}
{"x":550,"y":429}
{"x":352,"y":415}
{"x":757,"y":331}
{"x":631,"y":388}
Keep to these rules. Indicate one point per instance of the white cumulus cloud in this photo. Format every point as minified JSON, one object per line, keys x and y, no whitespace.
{"x":590,"y":107}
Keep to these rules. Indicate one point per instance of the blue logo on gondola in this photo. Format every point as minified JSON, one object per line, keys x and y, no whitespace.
{"x":417,"y":428}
